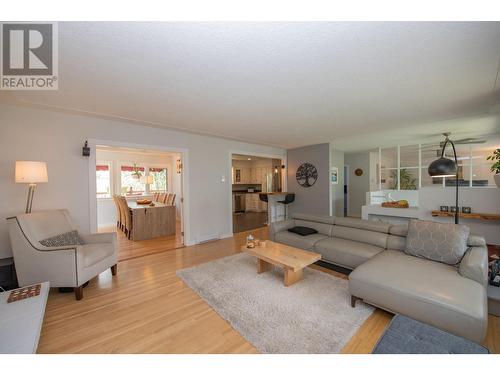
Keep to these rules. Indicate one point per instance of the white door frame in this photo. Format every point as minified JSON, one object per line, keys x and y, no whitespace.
{"x":92,"y":143}
{"x":284,"y":183}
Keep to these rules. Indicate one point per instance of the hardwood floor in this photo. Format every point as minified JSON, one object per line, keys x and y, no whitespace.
{"x":243,"y":222}
{"x":128,"y":249}
{"x":146,"y":308}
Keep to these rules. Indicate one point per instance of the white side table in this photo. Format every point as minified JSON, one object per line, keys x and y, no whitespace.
{"x":21,"y":322}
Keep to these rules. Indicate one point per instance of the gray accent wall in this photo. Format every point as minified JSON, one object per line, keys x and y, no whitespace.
{"x":314,"y":199}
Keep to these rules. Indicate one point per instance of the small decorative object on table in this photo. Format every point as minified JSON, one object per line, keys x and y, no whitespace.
{"x":466,"y":210}
{"x":454,"y":209}
{"x":143,"y":201}
{"x":23,"y":293}
{"x":250,"y":242}
{"x":444,"y":208}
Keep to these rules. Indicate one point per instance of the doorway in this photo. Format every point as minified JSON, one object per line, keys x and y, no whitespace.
{"x":150,"y":182}
{"x":251,"y":177}
{"x":346,"y":189}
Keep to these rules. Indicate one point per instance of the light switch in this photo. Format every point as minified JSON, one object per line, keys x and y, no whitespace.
{"x":223,"y":178}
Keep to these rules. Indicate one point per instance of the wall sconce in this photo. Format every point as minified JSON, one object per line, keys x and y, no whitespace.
{"x":86,"y":149}
{"x":178,"y":166}
{"x":282,"y":166}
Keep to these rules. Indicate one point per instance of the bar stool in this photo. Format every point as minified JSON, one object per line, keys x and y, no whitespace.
{"x":289,"y":198}
{"x":263,"y":197}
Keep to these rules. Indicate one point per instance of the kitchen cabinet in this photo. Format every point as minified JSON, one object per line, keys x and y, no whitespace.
{"x":236,"y":175}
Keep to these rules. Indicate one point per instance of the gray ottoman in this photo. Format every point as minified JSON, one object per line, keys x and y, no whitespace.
{"x":408,"y":336}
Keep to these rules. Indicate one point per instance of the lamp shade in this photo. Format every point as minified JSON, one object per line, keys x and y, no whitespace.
{"x":31,"y":172}
{"x":443,"y":167}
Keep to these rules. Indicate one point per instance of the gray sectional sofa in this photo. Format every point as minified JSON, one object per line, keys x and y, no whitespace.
{"x":452,"y":298}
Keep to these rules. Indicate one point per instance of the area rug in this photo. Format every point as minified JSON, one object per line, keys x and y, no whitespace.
{"x":311,"y":316}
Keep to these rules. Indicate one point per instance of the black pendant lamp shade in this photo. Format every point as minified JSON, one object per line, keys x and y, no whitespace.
{"x":443,"y":167}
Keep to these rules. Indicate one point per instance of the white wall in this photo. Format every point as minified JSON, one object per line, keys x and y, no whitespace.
{"x":106,"y":212}
{"x":57,"y":138}
{"x":482,"y":200}
{"x":358,"y":185}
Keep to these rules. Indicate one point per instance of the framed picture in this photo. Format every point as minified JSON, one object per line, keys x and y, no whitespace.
{"x":334,"y":175}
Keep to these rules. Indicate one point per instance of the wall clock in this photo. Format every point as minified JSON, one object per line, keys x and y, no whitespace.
{"x":358,"y":172}
{"x":306,"y":175}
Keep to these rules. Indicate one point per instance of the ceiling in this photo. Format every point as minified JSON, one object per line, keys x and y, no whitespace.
{"x":358,"y":85}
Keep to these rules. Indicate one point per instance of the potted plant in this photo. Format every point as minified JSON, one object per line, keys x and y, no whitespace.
{"x":495,"y":167}
{"x":136,"y":173}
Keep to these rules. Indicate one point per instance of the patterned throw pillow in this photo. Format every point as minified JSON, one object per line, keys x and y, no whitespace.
{"x":66,"y":239}
{"x":442,"y":242}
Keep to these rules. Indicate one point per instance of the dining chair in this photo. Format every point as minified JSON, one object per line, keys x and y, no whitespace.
{"x":118,"y":212}
{"x":162,"y":198}
{"x":156,"y":196}
{"x":171,"y":199}
{"x":127,"y":216}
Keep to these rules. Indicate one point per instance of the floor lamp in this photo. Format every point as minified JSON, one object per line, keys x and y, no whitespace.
{"x":32,"y":173}
{"x":444,"y":167}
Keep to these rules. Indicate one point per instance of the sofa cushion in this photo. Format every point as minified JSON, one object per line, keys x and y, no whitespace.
{"x":371,"y":225}
{"x":396,"y":242}
{"x":316,"y":218}
{"x":442,"y":242}
{"x":303,"y":231}
{"x":430,"y":292}
{"x":70,"y":238}
{"x":344,"y":252}
{"x":325,"y":229}
{"x":94,"y":253}
{"x":399,"y":230}
{"x":295,"y":240}
{"x":360,"y":235}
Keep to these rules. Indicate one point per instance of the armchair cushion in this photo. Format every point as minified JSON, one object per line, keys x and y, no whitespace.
{"x":65,"y":239}
{"x":94,"y":253}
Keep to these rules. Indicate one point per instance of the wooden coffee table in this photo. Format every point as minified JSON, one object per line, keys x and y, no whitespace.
{"x":292,"y":260}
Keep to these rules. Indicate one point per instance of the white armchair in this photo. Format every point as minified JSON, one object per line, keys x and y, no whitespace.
{"x":64,"y":266}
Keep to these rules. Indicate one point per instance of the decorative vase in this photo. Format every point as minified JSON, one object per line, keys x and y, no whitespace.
{"x":497,"y":179}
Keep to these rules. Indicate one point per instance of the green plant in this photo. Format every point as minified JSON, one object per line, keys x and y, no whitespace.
{"x":495,"y":167}
{"x":136,"y":173}
{"x":406,"y":180}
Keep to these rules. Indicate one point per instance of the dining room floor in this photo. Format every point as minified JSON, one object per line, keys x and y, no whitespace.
{"x":128,"y":249}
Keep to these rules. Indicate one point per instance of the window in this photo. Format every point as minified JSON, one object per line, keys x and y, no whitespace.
{"x":405,"y":167}
{"x":160,"y":179}
{"x":389,"y":168}
{"x":103,"y":180}
{"x":130,"y":178}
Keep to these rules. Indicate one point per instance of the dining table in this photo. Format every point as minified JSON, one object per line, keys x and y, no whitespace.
{"x":151,"y":221}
